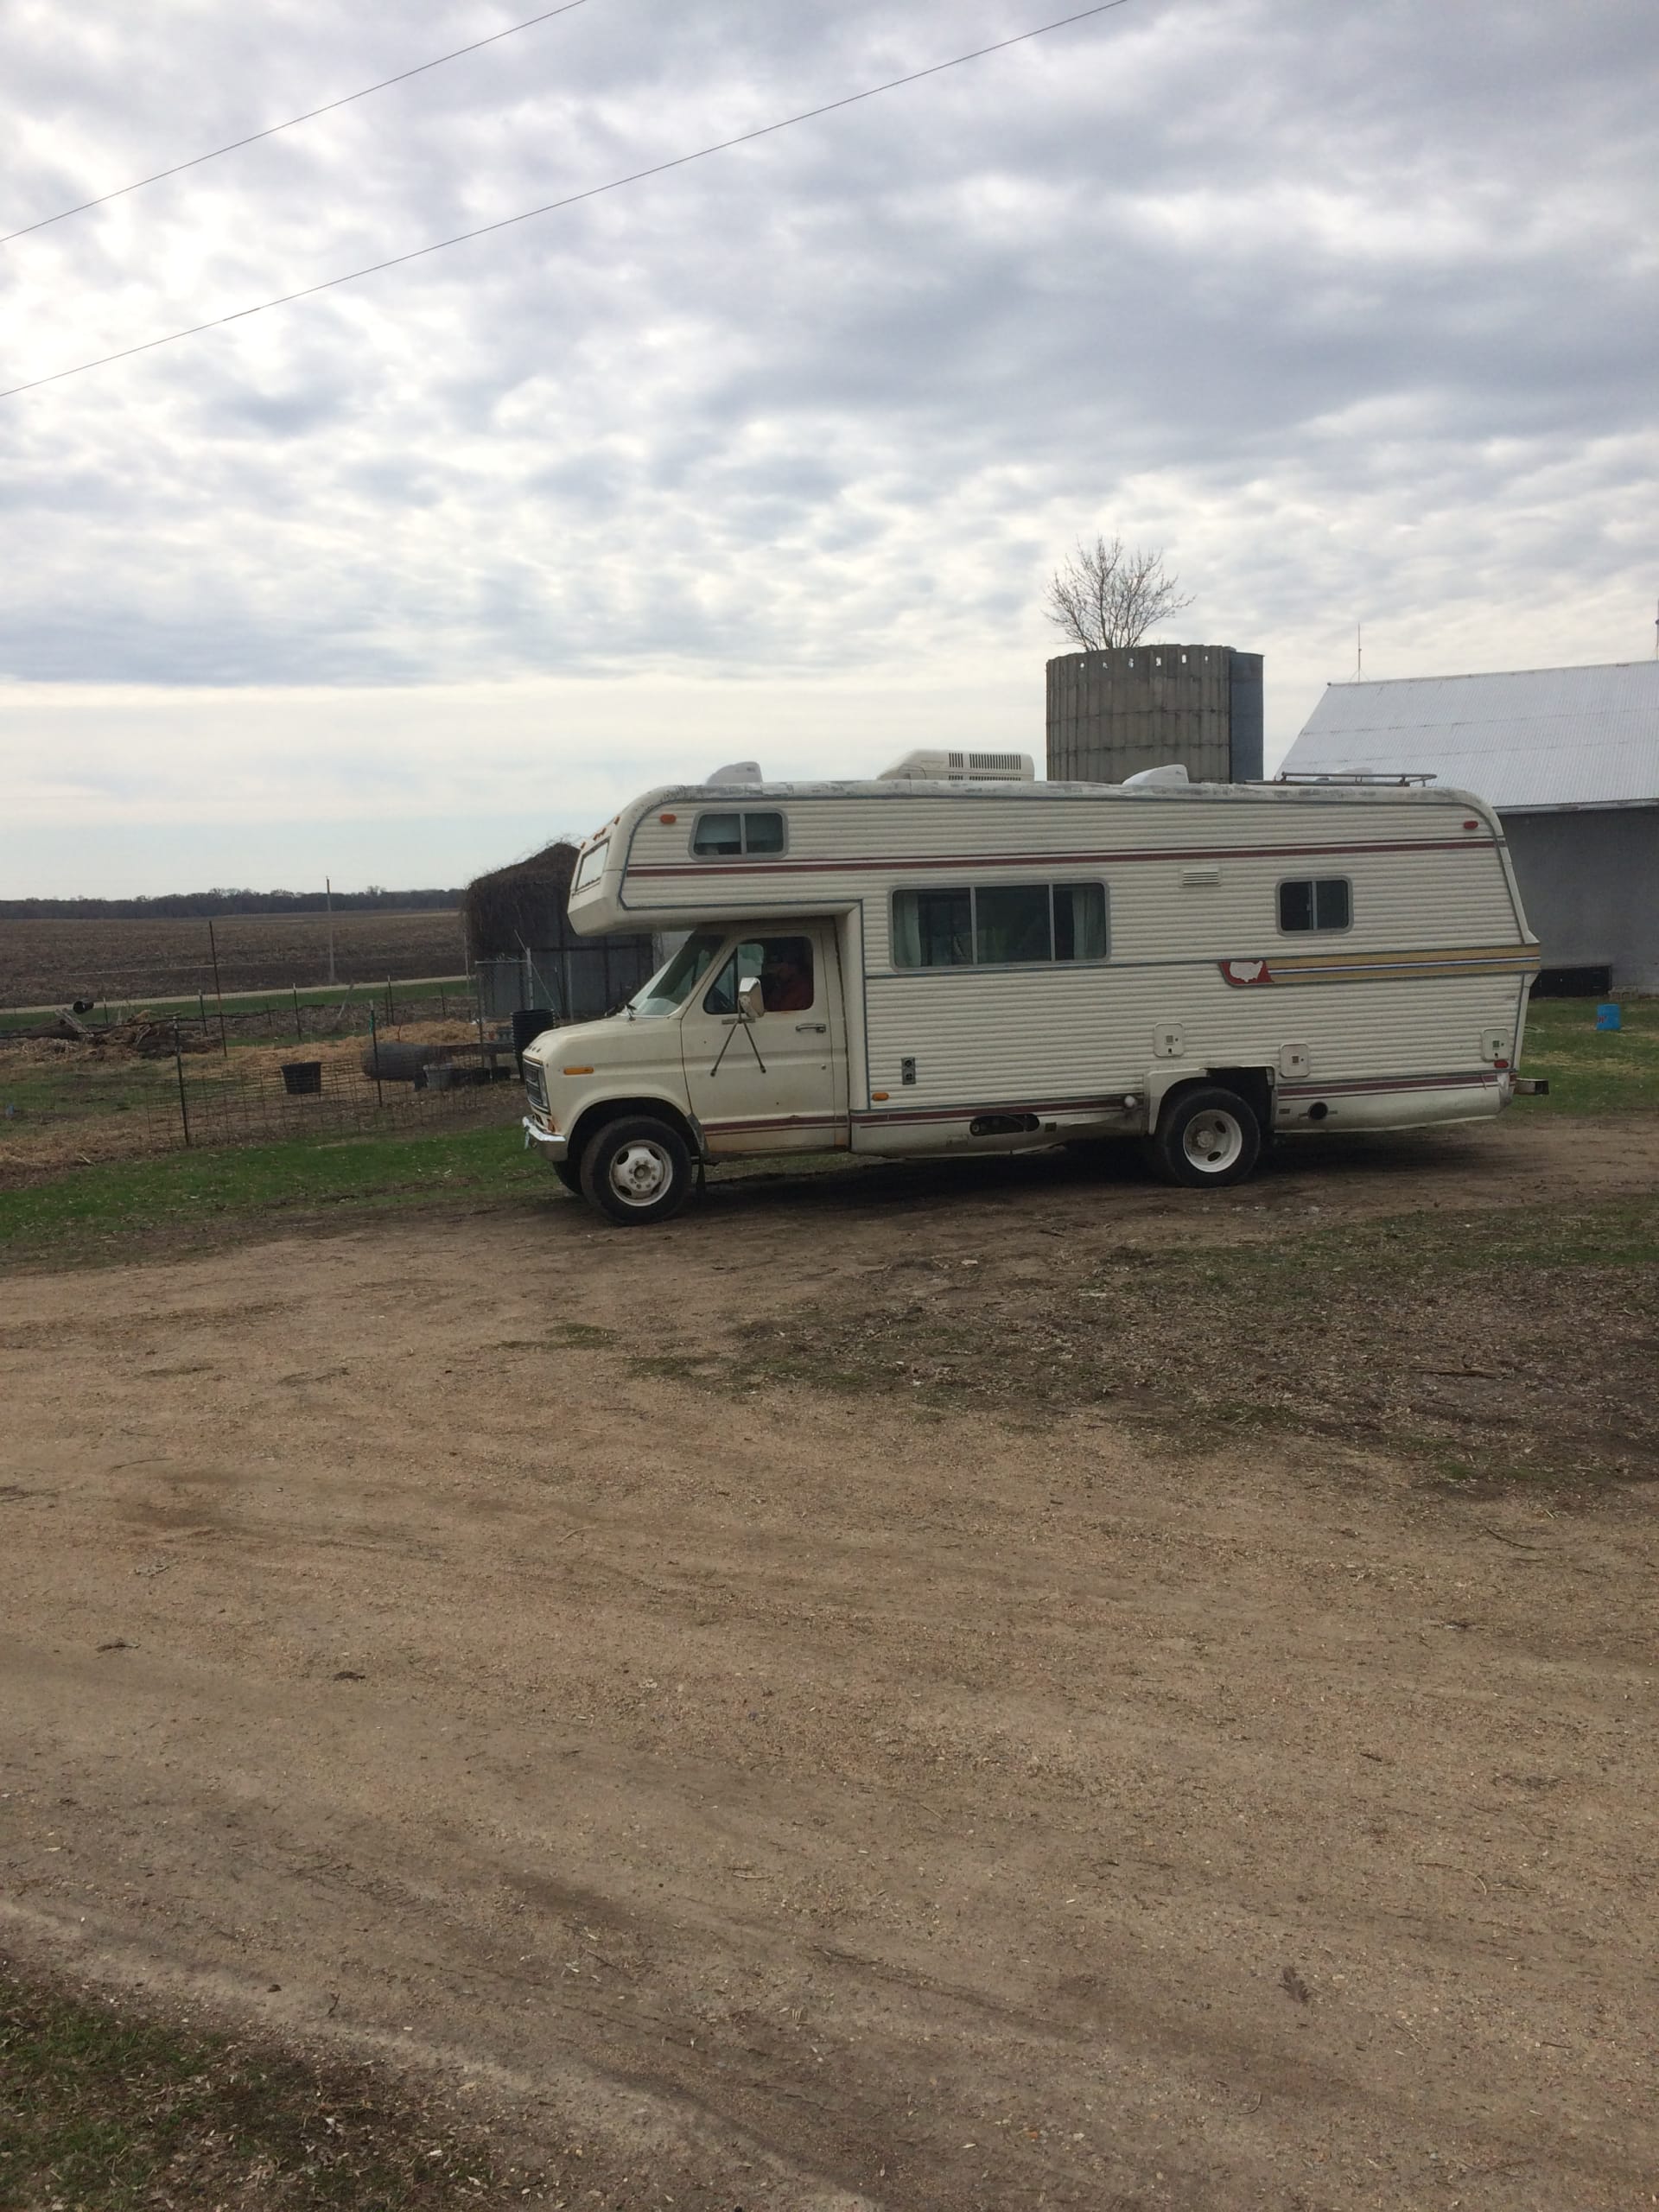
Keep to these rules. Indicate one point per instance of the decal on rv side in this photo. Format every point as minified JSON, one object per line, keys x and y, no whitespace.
{"x":1380,"y":967}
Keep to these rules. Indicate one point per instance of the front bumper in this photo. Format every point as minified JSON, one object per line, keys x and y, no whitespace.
{"x":554,"y":1144}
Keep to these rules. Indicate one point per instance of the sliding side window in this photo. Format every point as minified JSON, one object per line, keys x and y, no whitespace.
{"x":731,"y":837}
{"x":1319,"y":902}
{"x":998,"y":926}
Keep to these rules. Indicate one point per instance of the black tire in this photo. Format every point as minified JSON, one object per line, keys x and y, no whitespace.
{"x":1206,"y":1138}
{"x":570,"y":1174}
{"x":644,"y":1153}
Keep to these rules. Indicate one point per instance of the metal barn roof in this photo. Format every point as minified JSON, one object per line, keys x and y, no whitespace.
{"x":1532,"y":742}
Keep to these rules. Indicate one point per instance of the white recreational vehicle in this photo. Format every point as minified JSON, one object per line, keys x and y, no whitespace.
{"x":916,"y":965}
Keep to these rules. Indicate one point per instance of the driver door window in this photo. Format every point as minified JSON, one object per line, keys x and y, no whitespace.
{"x":785,"y":967}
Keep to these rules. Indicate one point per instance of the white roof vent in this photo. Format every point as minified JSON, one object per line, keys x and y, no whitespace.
{"x":1172,"y":772}
{"x":943,"y":768}
{"x":738,"y":771}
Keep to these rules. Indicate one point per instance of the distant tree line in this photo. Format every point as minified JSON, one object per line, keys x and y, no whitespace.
{"x":183,"y":906}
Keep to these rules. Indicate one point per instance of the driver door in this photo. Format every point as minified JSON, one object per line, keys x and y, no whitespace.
{"x":776,"y":1083}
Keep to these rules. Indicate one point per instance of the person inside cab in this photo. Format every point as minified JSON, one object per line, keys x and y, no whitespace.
{"x":786,"y":976}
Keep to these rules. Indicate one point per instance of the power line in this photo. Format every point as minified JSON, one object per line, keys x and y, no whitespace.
{"x":310,"y":116}
{"x":571,"y":200}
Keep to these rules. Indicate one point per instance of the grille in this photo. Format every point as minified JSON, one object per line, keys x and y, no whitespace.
{"x":535,"y":1088}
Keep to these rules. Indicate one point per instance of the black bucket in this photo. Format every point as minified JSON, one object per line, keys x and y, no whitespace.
{"x":528,"y":1022}
{"x":302,"y":1078}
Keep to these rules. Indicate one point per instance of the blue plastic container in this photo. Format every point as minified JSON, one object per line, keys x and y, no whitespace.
{"x":1607,"y":1017}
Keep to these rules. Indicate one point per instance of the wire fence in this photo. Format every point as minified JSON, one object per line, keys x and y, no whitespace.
{"x":239,"y":1108}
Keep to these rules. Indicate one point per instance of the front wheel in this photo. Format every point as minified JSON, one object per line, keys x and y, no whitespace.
{"x":1206,"y":1138}
{"x":570,"y":1174}
{"x":636,"y":1171}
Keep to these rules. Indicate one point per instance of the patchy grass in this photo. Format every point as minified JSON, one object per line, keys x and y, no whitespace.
{"x":1515,"y":1343}
{"x":1593,"y":1070}
{"x":581,"y":1335}
{"x":110,"y":1211}
{"x":106,"y":2108}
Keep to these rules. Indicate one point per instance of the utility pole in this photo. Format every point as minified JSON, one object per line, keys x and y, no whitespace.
{"x":329,"y":899}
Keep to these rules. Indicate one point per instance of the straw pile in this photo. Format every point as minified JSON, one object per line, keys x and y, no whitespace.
{"x":524,"y":905}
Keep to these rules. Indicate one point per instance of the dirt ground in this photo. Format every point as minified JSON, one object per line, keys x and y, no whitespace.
{"x":774,"y":1795}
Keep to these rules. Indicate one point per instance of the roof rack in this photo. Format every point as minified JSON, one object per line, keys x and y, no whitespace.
{"x":1351,"y":776}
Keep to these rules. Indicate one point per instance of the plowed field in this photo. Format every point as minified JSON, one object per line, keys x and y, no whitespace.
{"x":49,"y":963}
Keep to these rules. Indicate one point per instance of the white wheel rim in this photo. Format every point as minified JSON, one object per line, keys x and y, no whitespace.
{"x":640,"y":1172}
{"x":1213,"y":1141}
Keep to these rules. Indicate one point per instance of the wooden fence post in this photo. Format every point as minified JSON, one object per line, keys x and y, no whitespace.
{"x":178,"y":1069}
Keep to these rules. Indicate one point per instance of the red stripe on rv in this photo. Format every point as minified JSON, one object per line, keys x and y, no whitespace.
{"x":1056,"y":860}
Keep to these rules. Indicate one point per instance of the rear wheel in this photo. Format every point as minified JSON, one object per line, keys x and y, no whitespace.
{"x":636,"y":1171}
{"x":1206,"y":1138}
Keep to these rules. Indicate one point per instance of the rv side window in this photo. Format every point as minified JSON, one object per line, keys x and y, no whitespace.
{"x":591,"y":866}
{"x":1323,"y":902}
{"x":999,"y":925}
{"x":724,"y":836}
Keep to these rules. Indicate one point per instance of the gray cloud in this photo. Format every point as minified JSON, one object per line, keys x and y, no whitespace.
{"x":1351,"y":306}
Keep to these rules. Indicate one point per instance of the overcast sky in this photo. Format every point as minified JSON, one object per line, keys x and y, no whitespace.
{"x":1349,"y":304}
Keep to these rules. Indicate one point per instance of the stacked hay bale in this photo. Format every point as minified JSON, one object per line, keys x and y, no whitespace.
{"x":518,"y":905}
{"x":525,"y":953}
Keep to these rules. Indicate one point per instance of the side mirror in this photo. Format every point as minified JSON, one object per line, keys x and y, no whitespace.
{"x":750,"y":1004}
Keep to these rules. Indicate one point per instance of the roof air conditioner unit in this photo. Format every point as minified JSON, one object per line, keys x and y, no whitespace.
{"x":926,"y":765}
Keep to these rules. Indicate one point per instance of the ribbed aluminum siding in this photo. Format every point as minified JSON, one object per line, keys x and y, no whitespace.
{"x":1072,"y":829}
{"x":981,"y":1037}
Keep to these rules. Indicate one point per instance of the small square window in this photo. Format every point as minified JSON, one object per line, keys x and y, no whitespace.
{"x":724,"y":836}
{"x":1324,"y":902}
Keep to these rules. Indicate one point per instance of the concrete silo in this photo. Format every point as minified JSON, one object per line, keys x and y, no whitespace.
{"x":1111,"y":713}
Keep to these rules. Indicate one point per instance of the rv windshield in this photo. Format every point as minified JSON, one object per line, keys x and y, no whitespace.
{"x":670,"y":985}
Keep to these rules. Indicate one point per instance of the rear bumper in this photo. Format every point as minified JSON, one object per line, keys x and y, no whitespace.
{"x":555,"y":1147}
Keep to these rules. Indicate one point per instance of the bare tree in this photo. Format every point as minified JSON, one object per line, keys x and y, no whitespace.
{"x":1106,"y":596}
